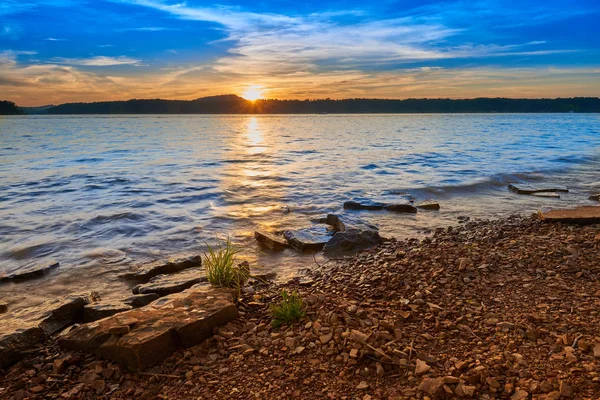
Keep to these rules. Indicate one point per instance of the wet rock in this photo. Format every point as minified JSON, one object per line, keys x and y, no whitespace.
{"x":595,"y":197}
{"x":140,"y":300}
{"x":428,"y":205}
{"x":364,"y":205}
{"x":527,"y":188}
{"x":23,"y":274}
{"x":580,"y":215}
{"x":351,"y":241}
{"x":148,"y":271}
{"x":26,"y":328}
{"x":163,"y":285}
{"x":103,"y":309}
{"x":305,"y":240}
{"x":185,"y":319}
{"x":3,"y":307}
{"x":270,"y":240}
{"x":401,"y":208}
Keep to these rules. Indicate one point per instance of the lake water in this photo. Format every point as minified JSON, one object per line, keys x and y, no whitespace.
{"x":100,"y":193}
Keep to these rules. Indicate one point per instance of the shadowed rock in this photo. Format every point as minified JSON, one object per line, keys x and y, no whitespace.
{"x":527,"y":188}
{"x":364,"y":205}
{"x":351,"y":235}
{"x":26,"y":328}
{"x":595,"y":197}
{"x":140,"y":300}
{"x":305,"y":240}
{"x":148,"y":271}
{"x":270,"y":240}
{"x":156,"y":330}
{"x":428,"y":205}
{"x":27,"y":273}
{"x":103,"y":309}
{"x":403,"y":208}
{"x":163,"y":285}
{"x":580,"y":215}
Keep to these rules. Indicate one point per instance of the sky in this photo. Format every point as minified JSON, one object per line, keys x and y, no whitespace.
{"x":57,"y":51}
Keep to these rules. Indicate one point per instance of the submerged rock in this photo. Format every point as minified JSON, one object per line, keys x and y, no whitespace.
{"x":163,"y":285}
{"x":403,"y":207}
{"x":156,"y":330}
{"x":305,"y":240}
{"x":26,"y":328}
{"x":580,"y":215}
{"x":270,"y":240}
{"x":364,"y":205}
{"x":148,"y":271}
{"x":103,"y":309}
{"x":528,"y":188}
{"x":428,"y":205}
{"x":140,"y":300}
{"x":27,"y":273}
{"x":595,"y":197}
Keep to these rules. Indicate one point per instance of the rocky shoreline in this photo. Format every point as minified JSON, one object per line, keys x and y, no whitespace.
{"x":490,"y":310}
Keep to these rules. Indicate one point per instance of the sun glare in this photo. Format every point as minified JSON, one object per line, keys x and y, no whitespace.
{"x":253,"y":92}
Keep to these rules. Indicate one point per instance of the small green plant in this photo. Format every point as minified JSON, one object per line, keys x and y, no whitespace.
{"x":289,"y":310}
{"x":220,"y":263}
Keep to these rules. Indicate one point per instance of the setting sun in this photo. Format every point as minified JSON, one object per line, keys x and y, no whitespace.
{"x":253,"y":92}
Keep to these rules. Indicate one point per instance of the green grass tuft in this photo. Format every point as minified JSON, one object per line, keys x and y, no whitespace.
{"x":220,"y":263}
{"x":290,"y":310}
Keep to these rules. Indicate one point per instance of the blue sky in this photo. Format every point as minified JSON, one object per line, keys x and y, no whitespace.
{"x":54,"y":51}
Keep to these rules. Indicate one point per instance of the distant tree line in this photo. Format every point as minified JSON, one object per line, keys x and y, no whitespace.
{"x":9,"y":108}
{"x":232,"y":104}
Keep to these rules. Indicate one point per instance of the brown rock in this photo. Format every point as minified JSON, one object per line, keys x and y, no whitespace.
{"x":580,"y":215}
{"x":519,"y":395}
{"x":432,"y":386}
{"x":147,"y":271}
{"x":99,"y":386}
{"x":119,"y":329}
{"x":565,"y":389}
{"x":326,"y":338}
{"x":428,"y":205}
{"x":3,"y":307}
{"x":103,"y":309}
{"x":422,"y":368}
{"x":463,"y":390}
{"x":270,"y":240}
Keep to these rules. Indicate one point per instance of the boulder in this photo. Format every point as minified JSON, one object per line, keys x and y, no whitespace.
{"x":156,"y":330}
{"x":163,"y":285}
{"x":26,"y":328}
{"x":140,"y":300}
{"x":306,"y":240}
{"x":428,"y":205}
{"x":103,"y":309}
{"x":528,"y":188}
{"x":364,"y":205}
{"x":270,"y":240}
{"x":595,"y":197}
{"x":351,"y":241}
{"x":402,"y":207}
{"x":580,"y":215}
{"x":148,"y":271}
{"x":27,"y":273}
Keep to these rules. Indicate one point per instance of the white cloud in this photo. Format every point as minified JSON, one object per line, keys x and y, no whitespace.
{"x":99,"y":61}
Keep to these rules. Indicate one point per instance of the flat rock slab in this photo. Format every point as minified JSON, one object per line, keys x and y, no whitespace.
{"x":527,"y":188}
{"x":156,"y":330}
{"x":163,"y":285}
{"x":580,"y":215}
{"x":140,"y":300}
{"x":103,"y":309}
{"x":428,"y":205}
{"x":306,"y":240}
{"x":148,"y":271}
{"x":26,"y":328}
{"x":270,"y":240}
{"x":27,"y":273}
{"x":364,"y":205}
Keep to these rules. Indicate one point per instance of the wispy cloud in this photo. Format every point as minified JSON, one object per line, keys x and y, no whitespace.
{"x":148,"y":29}
{"x":99,"y":61}
{"x":51,"y":39}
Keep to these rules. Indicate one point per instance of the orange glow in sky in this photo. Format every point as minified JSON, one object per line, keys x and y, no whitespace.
{"x":253,"y":92}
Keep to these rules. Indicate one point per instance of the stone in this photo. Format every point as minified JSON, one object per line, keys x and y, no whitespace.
{"x":527,"y":188}
{"x":565,"y":389}
{"x":351,"y":241}
{"x":119,"y":330}
{"x":422,"y":368}
{"x":594,"y":197}
{"x":99,"y":386}
{"x":324,"y":339}
{"x":3,"y":307}
{"x":305,"y":240}
{"x":156,"y":330}
{"x":519,"y":395}
{"x":148,"y":271}
{"x":270,"y":240}
{"x":103,"y":309}
{"x":581,"y":215}
{"x":26,"y":328}
{"x":428,"y":205}
{"x":163,"y":285}
{"x":363,"y":385}
{"x":463,"y":390}
{"x":23,"y":274}
{"x":401,"y":208}
{"x":140,"y":300}
{"x":364,"y":205}
{"x":433,"y":387}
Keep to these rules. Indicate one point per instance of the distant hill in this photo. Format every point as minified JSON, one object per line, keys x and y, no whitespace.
{"x":9,"y":108}
{"x":37,"y":110}
{"x":232,"y":104}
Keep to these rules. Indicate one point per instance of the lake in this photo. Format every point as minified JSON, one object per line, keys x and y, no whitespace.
{"x":100,"y":193}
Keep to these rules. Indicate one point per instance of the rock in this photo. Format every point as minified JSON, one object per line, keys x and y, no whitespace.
{"x":304,"y":240}
{"x":185,"y":319}
{"x":527,"y":188}
{"x":364,"y":205}
{"x":519,"y":395}
{"x":119,"y":330}
{"x":26,"y":328}
{"x":402,"y":208}
{"x":99,"y":386}
{"x":103,"y":309}
{"x":433,"y":387}
{"x":363,"y":385}
{"x":324,"y":339}
{"x":595,"y":197}
{"x":422,"y":368}
{"x":351,"y":241}
{"x":581,"y":215}
{"x":270,"y":240}
{"x":428,"y":205}
{"x":148,"y":271}
{"x":463,"y":390}
{"x":565,"y":389}
{"x":3,"y":307}
{"x":23,"y":274}
{"x":140,"y":300}
{"x":163,"y":285}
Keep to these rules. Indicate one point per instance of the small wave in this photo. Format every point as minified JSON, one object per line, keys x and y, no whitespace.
{"x":88,"y":160}
{"x":103,"y":219}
